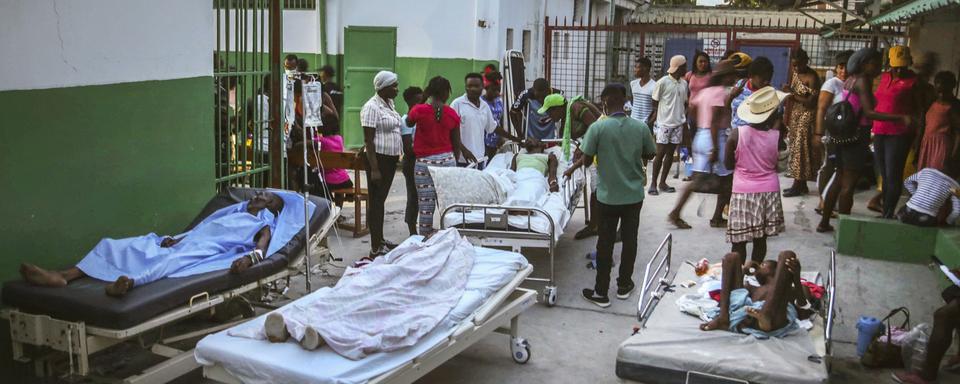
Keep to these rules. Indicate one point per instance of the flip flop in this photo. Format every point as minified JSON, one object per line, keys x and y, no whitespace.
{"x":670,"y":190}
{"x":653,"y":192}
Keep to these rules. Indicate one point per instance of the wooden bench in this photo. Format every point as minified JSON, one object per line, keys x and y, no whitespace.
{"x":344,"y":160}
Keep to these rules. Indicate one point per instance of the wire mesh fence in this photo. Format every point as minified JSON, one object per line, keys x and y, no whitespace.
{"x":582,"y":57}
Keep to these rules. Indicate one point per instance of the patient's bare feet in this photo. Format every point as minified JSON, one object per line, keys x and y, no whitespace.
{"x":311,"y":339}
{"x":39,"y":276}
{"x":120,"y":287}
{"x":720,"y":322}
{"x":240,"y":264}
{"x":275,"y":328}
{"x":764,"y":321}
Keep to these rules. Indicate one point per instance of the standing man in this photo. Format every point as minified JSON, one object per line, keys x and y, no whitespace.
{"x":641,"y":89}
{"x":476,"y":118}
{"x":621,"y":144}
{"x":668,"y":118}
{"x":539,"y":126}
{"x":327,"y":74}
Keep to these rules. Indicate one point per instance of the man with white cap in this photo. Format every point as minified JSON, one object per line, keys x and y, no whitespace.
{"x":381,"y":134}
{"x":668,"y":118}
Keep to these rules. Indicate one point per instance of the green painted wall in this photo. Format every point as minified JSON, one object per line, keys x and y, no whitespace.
{"x":81,"y":163}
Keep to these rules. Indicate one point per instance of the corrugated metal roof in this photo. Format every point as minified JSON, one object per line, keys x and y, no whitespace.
{"x":910,"y":10}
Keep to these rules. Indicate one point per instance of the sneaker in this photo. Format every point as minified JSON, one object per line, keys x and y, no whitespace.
{"x":600,"y":301}
{"x":623,"y":293}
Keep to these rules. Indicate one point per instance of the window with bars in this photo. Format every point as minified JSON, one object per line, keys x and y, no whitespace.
{"x":287,"y":4}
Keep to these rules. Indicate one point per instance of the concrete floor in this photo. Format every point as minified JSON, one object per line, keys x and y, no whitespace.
{"x":576,"y":342}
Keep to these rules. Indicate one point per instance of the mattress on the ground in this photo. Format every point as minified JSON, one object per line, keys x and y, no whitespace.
{"x":259,"y":361}
{"x":84,"y":299}
{"x":554,"y":204}
{"x":672,"y":345}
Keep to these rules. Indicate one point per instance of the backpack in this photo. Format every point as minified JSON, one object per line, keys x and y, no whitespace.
{"x":841,"y":122}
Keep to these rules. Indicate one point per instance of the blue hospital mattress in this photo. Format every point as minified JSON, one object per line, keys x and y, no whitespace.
{"x":259,"y":361}
{"x":84,"y":299}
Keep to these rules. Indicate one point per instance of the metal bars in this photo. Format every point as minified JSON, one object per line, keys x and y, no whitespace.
{"x":246,"y":97}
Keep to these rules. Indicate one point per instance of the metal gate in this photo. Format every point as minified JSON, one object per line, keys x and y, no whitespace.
{"x":577,"y":52}
{"x":248,"y":133}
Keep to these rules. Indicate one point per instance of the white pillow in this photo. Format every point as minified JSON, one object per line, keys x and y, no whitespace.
{"x":465,"y":186}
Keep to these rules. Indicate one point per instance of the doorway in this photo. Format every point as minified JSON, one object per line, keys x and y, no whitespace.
{"x":366,"y":51}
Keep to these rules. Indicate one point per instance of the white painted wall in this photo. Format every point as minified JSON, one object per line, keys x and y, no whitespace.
{"x":945,"y":25}
{"x":63,"y":43}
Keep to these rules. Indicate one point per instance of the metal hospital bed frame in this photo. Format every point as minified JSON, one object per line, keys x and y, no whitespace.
{"x":499,"y":314}
{"x":651,"y":295}
{"x":80,"y":341}
{"x":495,"y":231}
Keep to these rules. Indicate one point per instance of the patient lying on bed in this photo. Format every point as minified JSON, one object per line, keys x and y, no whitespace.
{"x":769,"y":310}
{"x":236,"y":236}
{"x":537,"y":161}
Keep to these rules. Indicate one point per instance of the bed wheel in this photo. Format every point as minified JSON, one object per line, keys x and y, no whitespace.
{"x":520,"y":350}
{"x":550,"y":296}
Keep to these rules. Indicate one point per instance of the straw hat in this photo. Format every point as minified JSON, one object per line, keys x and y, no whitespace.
{"x":760,"y":105}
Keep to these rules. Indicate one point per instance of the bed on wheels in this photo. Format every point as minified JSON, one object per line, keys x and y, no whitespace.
{"x":670,"y":348}
{"x":519,"y":227}
{"x":492,"y":302}
{"x":80,"y":319}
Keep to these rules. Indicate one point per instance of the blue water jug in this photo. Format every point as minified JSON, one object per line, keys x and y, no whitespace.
{"x":867,"y":329}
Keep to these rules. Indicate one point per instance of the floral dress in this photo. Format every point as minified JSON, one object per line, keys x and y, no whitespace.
{"x":802,"y":164}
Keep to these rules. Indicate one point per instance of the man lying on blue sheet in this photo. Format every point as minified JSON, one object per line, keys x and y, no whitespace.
{"x":234,"y":237}
{"x":769,"y":310}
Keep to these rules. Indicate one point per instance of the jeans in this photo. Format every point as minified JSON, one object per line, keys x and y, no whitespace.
{"x":628,"y":218}
{"x":387,"y":165}
{"x":410,"y":213}
{"x":890,"y":153}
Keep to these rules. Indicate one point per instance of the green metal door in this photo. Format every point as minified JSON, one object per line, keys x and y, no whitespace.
{"x":366,"y":51}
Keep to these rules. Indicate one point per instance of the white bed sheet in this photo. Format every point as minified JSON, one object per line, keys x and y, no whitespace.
{"x":257,"y":361}
{"x":554,"y":203}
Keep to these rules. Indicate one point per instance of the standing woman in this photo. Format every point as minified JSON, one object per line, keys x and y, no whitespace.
{"x":756,"y":211}
{"x":435,"y":143}
{"x":831,"y":92}
{"x":697,"y":80}
{"x":381,"y":134}
{"x":851,"y":156}
{"x":892,"y":138}
{"x":804,"y":161}
{"x":941,"y":135}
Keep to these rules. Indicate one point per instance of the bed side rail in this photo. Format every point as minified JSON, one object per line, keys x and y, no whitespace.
{"x":831,"y":288}
{"x":650,"y":294}
{"x":497,"y":217}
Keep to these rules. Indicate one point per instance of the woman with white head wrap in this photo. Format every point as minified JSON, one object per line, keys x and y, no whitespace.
{"x":381,"y":134}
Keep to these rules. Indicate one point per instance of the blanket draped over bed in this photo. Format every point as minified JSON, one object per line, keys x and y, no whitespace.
{"x":211,"y":245}
{"x":388,"y":304}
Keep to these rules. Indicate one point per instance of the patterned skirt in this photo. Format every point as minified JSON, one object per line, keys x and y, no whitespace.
{"x":754,"y":215}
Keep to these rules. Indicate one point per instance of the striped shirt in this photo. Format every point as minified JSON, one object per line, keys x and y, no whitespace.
{"x":380,"y":114}
{"x":931,"y":189}
{"x":642,"y":102}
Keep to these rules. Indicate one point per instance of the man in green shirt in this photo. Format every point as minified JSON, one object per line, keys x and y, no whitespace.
{"x":622,"y":145}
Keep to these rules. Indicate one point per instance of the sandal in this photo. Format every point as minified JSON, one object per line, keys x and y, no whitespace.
{"x":824,"y":229}
{"x":585,"y":233}
{"x":653,"y":192}
{"x":679,"y":223}
{"x":833,"y":214}
{"x":722,"y":223}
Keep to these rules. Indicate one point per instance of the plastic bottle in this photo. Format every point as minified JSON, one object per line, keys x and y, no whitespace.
{"x":867,"y":329}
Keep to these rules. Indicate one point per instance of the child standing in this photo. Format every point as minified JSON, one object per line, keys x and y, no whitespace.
{"x":755,"y":208}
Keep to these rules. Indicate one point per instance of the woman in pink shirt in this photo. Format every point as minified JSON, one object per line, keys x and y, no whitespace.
{"x":334,"y":178}
{"x":755,"y":208}
{"x":892,"y":138}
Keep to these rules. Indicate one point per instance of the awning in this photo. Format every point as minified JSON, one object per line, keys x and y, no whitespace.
{"x":910,"y":10}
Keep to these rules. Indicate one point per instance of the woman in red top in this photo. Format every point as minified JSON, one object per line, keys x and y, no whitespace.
{"x":436,"y":143}
{"x":941,"y":136}
{"x":892,"y":138}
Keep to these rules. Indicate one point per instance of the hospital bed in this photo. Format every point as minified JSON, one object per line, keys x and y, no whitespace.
{"x":522,"y":227}
{"x":670,"y":348}
{"x":80,"y":319}
{"x":493,"y":301}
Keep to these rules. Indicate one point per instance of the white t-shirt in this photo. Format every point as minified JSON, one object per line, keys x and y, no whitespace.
{"x":642,"y":101}
{"x":671,"y":94}
{"x":475,"y":123}
{"x":834,"y":86}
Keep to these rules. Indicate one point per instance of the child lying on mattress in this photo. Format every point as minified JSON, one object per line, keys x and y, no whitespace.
{"x":770,"y":310}
{"x":236,"y":236}
{"x":537,"y":161}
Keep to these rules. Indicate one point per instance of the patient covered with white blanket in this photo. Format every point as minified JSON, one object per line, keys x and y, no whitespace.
{"x":384,"y":306}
